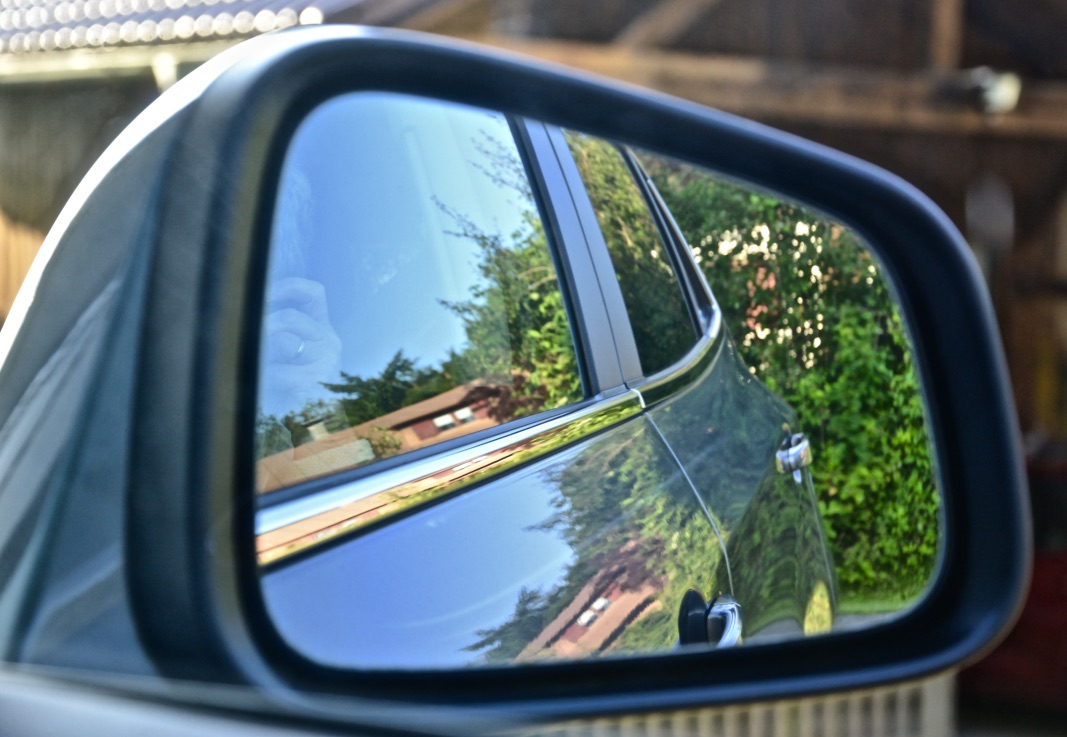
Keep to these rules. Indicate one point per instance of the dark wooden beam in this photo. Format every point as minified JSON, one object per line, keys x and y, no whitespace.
{"x":663,"y":23}
{"x":380,"y":13}
{"x":1032,"y":288}
{"x":451,"y":16}
{"x":1024,"y":35}
{"x":946,"y":34}
{"x":784,"y":93}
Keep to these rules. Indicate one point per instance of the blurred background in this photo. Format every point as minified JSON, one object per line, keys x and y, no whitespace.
{"x":965,"y":99}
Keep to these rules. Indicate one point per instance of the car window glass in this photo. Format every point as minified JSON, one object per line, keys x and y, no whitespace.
{"x":654,"y":301}
{"x":412,"y":295}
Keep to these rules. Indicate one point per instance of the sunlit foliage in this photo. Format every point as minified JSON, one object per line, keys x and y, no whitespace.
{"x":815,"y":320}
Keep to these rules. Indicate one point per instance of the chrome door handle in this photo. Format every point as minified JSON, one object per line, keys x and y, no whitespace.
{"x":718,"y":625}
{"x":725,"y":621}
{"x":793,"y":456}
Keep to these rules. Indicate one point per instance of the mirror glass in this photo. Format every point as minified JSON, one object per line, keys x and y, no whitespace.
{"x":448,"y":476}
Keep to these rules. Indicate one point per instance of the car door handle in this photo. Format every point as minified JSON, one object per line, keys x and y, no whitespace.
{"x":725,"y":621}
{"x":719,"y":625}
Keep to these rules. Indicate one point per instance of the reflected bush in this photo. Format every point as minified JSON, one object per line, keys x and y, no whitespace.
{"x":814,"y":319}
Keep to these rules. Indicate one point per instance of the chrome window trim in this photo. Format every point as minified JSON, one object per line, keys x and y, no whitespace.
{"x":300,"y":524}
{"x":690,"y":272}
{"x":680,"y":376}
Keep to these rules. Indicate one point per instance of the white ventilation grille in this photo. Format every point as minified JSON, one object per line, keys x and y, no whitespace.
{"x":915,"y":709}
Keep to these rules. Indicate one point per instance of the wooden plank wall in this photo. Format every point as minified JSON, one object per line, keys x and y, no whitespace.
{"x":18,"y":246}
{"x":879,"y":33}
{"x":50,"y":136}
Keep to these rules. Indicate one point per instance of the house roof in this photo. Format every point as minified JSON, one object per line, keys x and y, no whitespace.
{"x":28,"y":26}
{"x":436,"y":405}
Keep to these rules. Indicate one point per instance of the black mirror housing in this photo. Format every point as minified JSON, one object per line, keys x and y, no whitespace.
{"x":189,"y":525}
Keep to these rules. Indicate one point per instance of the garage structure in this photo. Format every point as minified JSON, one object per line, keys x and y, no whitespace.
{"x":967,"y":99}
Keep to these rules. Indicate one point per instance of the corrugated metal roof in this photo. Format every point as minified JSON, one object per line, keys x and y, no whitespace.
{"x":28,"y":26}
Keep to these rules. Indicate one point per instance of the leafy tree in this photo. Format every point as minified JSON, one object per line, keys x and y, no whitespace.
{"x":518,"y":334}
{"x":400,"y":384}
{"x":533,"y":613}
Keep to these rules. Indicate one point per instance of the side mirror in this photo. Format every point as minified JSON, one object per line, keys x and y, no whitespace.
{"x":418,"y":333}
{"x":553,"y":461}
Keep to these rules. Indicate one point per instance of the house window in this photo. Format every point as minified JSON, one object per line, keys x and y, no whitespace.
{"x":444,"y":422}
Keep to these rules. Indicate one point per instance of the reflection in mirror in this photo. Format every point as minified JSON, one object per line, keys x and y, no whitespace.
{"x":439,"y":483}
{"x":412,"y":296}
{"x":814,"y":318}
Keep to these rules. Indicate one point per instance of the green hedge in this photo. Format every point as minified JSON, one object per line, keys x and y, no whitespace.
{"x":813,"y":317}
